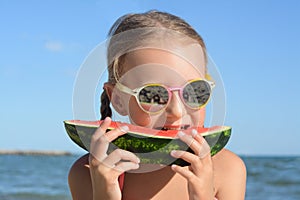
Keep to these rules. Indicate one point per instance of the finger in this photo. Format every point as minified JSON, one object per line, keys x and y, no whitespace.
{"x":187,"y":156}
{"x":114,"y":134}
{"x":197,"y":136}
{"x":101,"y":130}
{"x":126,"y":166}
{"x":100,"y":140}
{"x":102,"y":143}
{"x":196,"y":142}
{"x":194,"y":160}
{"x":204,"y":149}
{"x":186,"y":138}
{"x":102,"y":134}
{"x":99,"y":144}
{"x":183,"y":171}
{"x":99,"y":151}
{"x":190,"y":141}
{"x":118,"y":155}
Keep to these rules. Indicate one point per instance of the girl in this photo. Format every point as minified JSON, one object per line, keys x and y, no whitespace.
{"x":153,"y":58}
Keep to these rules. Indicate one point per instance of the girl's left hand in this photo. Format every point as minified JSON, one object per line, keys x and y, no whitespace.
{"x":199,"y":174}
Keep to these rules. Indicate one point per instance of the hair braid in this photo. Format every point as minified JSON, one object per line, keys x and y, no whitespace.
{"x":105,"y":108}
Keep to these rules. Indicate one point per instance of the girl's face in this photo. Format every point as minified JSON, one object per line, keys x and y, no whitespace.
{"x":157,"y":66}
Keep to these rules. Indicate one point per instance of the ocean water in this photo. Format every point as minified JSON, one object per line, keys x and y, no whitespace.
{"x":28,"y":177}
{"x":274,"y":178}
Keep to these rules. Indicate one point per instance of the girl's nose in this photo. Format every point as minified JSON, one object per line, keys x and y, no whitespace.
{"x":176,"y":108}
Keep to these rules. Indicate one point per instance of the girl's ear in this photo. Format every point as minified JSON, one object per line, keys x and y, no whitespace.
{"x":115,"y":98}
{"x":108,"y":87}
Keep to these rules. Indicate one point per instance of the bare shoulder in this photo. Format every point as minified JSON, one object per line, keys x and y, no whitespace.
{"x":80,"y":179}
{"x":230,"y":175}
{"x":228,"y":161}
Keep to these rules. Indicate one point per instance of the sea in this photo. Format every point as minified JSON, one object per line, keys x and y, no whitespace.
{"x":44,"y":177}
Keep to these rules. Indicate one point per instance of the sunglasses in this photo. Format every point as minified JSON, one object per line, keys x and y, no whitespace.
{"x":154,"y":97}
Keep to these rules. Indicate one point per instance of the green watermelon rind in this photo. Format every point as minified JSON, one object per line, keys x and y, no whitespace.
{"x":154,"y":150}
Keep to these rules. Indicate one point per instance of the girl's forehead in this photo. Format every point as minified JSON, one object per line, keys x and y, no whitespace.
{"x":189,"y":55}
{"x":159,"y":66}
{"x":184,"y":62}
{"x":170,"y":75}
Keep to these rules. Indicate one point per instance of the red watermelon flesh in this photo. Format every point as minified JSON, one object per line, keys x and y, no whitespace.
{"x":147,"y":132}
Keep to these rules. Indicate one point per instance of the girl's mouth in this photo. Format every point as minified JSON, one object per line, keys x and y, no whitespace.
{"x":172,"y":127}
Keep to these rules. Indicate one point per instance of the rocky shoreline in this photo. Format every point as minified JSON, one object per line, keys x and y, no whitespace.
{"x":34,"y":152}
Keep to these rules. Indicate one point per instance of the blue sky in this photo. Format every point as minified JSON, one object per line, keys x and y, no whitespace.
{"x":255,"y":45}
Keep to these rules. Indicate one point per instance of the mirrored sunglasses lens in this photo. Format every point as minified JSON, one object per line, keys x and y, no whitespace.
{"x":196,"y":94}
{"x":153,"y":98}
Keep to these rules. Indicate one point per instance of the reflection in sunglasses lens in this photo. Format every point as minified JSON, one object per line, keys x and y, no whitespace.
{"x":196,"y":94}
{"x":153,"y":98}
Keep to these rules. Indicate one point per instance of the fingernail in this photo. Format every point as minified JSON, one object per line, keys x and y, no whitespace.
{"x":174,"y":153}
{"x":138,"y":160}
{"x":181,"y":134}
{"x":124,"y":129}
{"x":173,"y":166}
{"x":136,"y":166}
{"x":194,"y":132}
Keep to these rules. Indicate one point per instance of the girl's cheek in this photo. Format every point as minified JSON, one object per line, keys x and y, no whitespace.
{"x":137,"y":115}
{"x":198,"y":117}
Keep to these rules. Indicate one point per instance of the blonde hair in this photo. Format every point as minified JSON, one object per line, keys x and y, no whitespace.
{"x":150,"y":19}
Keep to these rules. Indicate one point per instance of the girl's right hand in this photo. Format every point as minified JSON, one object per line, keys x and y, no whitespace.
{"x":105,"y":169}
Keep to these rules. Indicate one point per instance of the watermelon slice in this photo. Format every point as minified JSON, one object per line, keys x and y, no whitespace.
{"x":150,"y":145}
